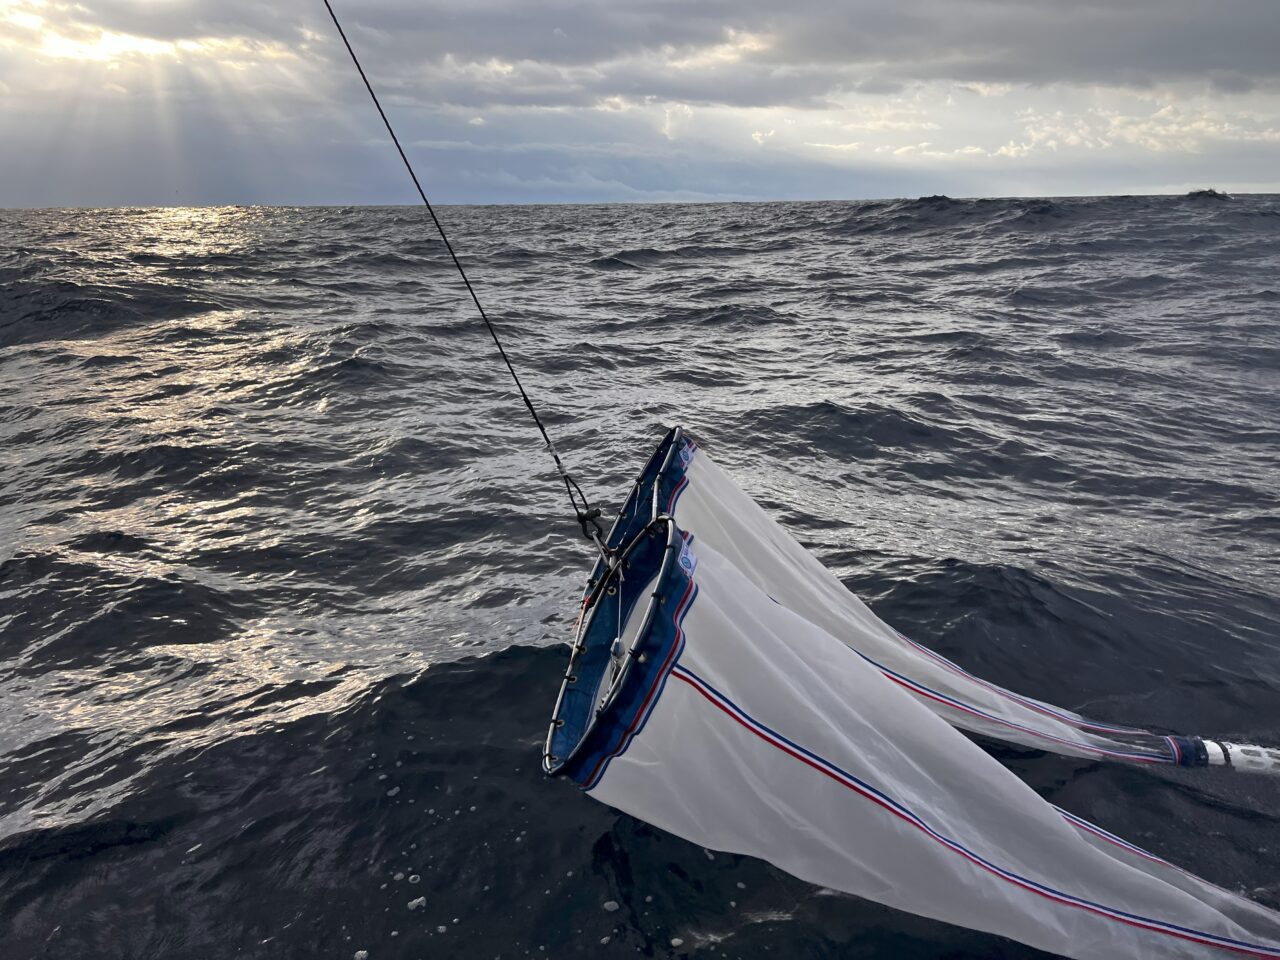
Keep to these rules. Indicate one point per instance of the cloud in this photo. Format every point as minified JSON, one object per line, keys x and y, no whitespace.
{"x":815,"y":49}
{"x":738,"y":52}
{"x":943,"y":87}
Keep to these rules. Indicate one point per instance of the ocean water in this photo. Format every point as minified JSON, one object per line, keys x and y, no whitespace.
{"x":285,"y":576}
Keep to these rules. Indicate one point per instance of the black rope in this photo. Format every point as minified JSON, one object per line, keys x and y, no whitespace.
{"x":588,"y":516}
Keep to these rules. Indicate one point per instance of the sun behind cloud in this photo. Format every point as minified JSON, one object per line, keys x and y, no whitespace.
{"x":24,"y":25}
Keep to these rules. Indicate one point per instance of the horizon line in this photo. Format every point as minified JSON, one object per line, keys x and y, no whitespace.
{"x":1205,"y":191}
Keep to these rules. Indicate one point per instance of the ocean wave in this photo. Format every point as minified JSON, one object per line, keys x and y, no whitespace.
{"x":266,"y":487}
{"x":45,"y":309}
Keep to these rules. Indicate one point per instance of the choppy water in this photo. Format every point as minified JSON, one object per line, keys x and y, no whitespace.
{"x":283,"y":574}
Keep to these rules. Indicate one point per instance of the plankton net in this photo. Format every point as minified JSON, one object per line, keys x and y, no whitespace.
{"x":726,"y":687}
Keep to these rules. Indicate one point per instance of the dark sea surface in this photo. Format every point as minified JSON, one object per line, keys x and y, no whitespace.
{"x":285,"y":577}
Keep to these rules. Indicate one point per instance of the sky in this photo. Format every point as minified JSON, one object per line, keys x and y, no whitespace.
{"x":110,"y":102}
